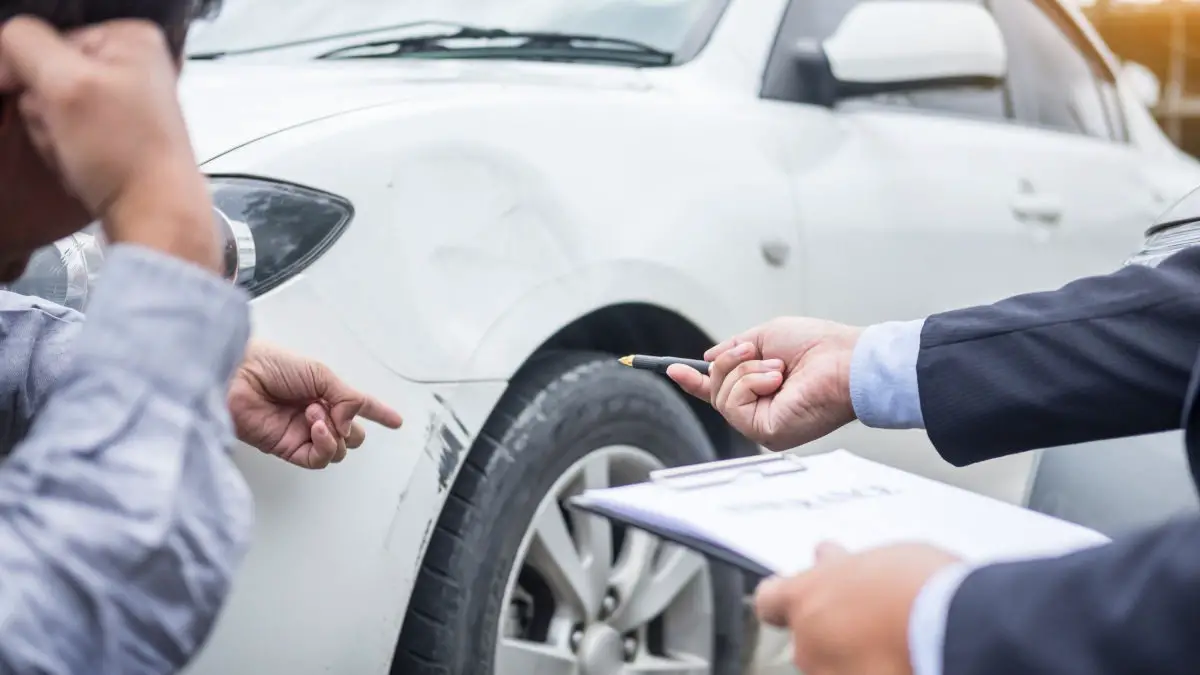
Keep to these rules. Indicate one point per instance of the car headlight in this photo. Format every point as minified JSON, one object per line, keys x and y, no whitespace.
{"x":1163,"y":242}
{"x":271,"y":231}
{"x":274,"y":230}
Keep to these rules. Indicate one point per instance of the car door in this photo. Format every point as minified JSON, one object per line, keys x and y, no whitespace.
{"x":1085,"y":194}
{"x":907,"y":209}
{"x":922,"y":189}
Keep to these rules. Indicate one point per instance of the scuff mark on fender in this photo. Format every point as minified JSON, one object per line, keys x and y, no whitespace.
{"x":452,"y":450}
{"x":431,"y":428}
{"x":444,"y":443}
{"x":454,"y":416}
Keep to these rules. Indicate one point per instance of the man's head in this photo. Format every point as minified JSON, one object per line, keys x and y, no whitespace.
{"x":35,"y":209}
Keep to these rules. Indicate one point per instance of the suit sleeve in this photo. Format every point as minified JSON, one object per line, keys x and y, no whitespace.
{"x":1103,"y":357}
{"x":1127,"y":608}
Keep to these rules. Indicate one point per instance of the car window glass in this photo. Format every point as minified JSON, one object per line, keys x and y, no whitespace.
{"x":817,"y":20}
{"x":669,"y":25}
{"x":1055,"y":85}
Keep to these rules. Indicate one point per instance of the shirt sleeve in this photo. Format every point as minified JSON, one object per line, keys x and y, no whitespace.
{"x":927,"y":621}
{"x":37,"y":336}
{"x":122,"y":516}
{"x":883,"y":376}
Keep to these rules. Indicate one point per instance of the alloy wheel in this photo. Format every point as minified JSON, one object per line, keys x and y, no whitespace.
{"x":587,"y":597}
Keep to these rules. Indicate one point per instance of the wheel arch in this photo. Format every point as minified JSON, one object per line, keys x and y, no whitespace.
{"x":562,"y":361}
{"x":618,"y":329}
{"x":646,"y":328}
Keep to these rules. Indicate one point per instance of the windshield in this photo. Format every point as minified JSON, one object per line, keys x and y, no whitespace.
{"x":667,"y":25}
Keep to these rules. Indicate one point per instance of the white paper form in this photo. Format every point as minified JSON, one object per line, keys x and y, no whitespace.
{"x":778,"y":520}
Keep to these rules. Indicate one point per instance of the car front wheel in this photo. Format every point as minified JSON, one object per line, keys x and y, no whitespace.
{"x":514,"y":583}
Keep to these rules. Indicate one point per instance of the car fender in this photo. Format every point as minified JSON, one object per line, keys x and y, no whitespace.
{"x":482,"y":226}
{"x":542,"y":312}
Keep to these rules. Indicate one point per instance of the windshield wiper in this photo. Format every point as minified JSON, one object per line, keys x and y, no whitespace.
{"x":356,"y":34}
{"x":530,"y":44}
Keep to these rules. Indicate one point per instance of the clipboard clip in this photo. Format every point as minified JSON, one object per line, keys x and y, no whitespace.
{"x":720,"y":473}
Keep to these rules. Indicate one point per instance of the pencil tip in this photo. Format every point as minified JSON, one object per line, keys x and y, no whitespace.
{"x":626,"y":360}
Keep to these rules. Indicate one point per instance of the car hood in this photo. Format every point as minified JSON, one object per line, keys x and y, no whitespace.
{"x":230,"y":104}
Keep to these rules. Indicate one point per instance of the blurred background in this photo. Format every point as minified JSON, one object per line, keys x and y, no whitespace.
{"x":1163,"y":36}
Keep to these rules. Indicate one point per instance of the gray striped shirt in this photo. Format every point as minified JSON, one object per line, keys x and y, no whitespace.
{"x":122,"y":516}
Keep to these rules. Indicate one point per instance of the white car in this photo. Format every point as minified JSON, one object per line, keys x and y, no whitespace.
{"x":469,"y":209}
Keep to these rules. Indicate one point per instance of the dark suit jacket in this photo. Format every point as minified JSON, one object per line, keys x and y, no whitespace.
{"x":1103,"y":357}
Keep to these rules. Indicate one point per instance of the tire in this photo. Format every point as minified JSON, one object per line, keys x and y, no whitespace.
{"x":559,"y":410}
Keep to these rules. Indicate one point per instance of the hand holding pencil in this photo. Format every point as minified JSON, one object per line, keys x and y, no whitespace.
{"x":781,"y":384}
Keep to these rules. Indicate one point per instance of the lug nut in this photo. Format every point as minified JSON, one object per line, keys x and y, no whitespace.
{"x":576,"y":639}
{"x":609,"y":604}
{"x":631,"y":647}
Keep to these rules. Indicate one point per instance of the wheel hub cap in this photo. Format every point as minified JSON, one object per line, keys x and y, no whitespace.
{"x":602,"y":651}
{"x":595,"y":603}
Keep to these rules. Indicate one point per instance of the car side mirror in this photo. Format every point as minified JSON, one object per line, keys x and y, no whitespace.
{"x":886,"y":46}
{"x":1143,"y":83}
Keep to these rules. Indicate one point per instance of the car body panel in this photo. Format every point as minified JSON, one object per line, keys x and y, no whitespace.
{"x":338,"y":522}
{"x":227,"y":107}
{"x":1116,"y":487}
{"x":562,"y":219}
{"x":335,"y":553}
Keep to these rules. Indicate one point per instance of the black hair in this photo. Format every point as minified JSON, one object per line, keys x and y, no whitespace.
{"x":173,"y":16}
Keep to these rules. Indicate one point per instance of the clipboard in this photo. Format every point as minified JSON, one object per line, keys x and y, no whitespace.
{"x":700,"y":476}
{"x":704,"y":547}
{"x":728,"y":471}
{"x":765,"y":515}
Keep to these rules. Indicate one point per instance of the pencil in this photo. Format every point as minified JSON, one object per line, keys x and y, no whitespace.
{"x":659,"y":364}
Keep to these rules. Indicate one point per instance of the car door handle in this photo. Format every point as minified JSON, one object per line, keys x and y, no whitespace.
{"x":1037,"y":208}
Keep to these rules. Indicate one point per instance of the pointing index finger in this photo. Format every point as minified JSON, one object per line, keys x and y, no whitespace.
{"x":375,"y":410}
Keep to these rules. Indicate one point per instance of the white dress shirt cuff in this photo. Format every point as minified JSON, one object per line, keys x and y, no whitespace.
{"x":927,"y":622}
{"x":883,"y":376}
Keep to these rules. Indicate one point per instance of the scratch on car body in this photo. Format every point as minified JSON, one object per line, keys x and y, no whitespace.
{"x":445,"y":442}
{"x":454,"y":416}
{"x":452,"y":449}
{"x":431,"y":428}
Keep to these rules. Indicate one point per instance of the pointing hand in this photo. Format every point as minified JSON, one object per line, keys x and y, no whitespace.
{"x":299,"y":410}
